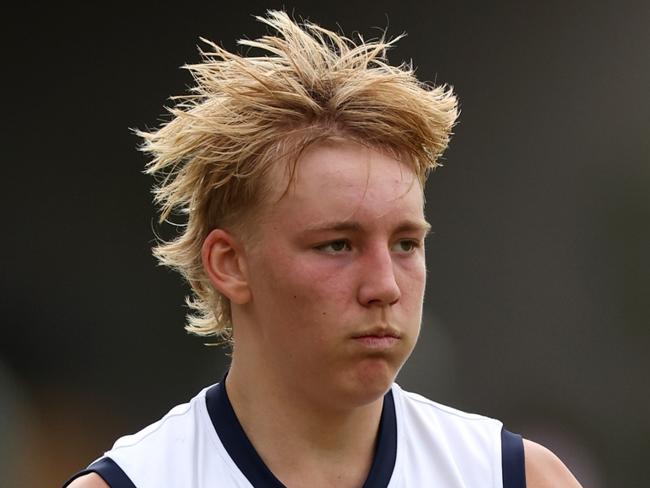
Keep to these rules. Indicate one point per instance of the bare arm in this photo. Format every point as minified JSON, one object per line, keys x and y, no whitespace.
{"x":545,"y":470}
{"x":90,"y":480}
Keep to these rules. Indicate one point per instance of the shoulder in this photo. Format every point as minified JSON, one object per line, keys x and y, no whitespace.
{"x":180,"y":437}
{"x":425,"y":422}
{"x":545,"y":470}
{"x":90,"y":480}
{"x":178,"y":427}
{"x":425,"y":405}
{"x":422,"y":413}
{"x":466,"y":447}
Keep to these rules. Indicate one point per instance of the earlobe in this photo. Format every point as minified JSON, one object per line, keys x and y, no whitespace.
{"x":225,"y":264}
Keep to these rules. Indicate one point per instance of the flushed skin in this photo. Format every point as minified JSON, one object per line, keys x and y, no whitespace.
{"x":338,"y":261}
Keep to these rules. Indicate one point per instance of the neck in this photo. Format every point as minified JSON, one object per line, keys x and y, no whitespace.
{"x":299,"y":438}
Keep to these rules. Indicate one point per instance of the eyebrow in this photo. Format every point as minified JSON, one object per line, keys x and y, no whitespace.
{"x":419,"y":225}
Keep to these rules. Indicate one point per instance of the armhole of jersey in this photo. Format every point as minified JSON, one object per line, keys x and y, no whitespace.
{"x":109,"y":471}
{"x":513,"y":462}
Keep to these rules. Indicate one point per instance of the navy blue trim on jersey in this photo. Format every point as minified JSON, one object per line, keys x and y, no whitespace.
{"x":386,"y":451}
{"x":234,"y":439}
{"x":248,"y":461}
{"x":109,"y":471}
{"x":513,"y":462}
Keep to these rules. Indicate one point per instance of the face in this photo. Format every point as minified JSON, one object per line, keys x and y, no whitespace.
{"x":337,"y":274}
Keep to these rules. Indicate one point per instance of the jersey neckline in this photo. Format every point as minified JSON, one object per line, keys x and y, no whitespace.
{"x":244,"y":455}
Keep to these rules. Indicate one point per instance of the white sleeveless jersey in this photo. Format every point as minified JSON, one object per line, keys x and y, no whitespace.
{"x":421,"y":443}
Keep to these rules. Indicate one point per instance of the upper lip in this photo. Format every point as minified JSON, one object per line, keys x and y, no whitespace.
{"x":379,"y":331}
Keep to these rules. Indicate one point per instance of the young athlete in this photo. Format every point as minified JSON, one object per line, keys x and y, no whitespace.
{"x":301,"y":172}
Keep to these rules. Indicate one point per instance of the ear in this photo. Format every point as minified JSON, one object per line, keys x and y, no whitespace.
{"x":224,"y":262}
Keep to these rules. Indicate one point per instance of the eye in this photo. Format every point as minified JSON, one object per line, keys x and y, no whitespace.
{"x":406,"y":245}
{"x":335,"y":247}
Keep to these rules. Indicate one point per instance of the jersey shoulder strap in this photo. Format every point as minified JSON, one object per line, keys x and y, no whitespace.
{"x":109,"y":471}
{"x":513,"y":464}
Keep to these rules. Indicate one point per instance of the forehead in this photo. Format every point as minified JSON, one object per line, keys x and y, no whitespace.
{"x":345,"y":176}
{"x":343,"y":163}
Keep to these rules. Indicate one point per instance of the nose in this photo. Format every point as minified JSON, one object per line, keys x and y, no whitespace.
{"x":378,"y":286}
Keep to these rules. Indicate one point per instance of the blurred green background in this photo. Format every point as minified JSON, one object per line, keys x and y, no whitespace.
{"x":537,"y":306}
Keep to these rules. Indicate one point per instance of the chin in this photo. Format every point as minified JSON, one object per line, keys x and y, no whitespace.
{"x":370,"y":382}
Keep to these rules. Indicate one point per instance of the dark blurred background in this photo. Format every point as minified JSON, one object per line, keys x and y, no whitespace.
{"x":537,"y":307}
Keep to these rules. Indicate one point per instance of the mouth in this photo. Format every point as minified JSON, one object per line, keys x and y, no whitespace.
{"x":376,"y":342}
{"x":378,"y":338}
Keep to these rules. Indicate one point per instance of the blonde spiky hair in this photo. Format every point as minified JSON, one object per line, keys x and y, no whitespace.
{"x":309,"y":84}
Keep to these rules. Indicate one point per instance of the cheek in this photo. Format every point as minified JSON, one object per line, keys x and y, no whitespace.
{"x":311,"y":273}
{"x":295,"y":285}
{"x":412,"y":279}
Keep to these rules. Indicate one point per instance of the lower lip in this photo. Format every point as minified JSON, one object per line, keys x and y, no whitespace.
{"x":376,"y":342}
